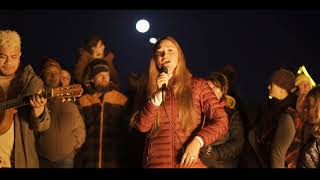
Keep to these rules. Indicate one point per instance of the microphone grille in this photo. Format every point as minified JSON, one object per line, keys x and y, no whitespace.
{"x":164,"y":69}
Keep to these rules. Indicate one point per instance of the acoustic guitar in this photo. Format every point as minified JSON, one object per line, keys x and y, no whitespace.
{"x":9,"y":107}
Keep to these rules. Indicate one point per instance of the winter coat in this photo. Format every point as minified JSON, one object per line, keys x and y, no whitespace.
{"x":263,"y":137}
{"x":107,"y":130}
{"x":224,"y":153}
{"x":26,"y":124}
{"x":66,"y":133}
{"x":164,"y":150}
{"x":310,"y":156}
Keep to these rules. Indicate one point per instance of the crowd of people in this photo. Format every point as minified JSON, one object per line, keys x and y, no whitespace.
{"x":167,"y":119}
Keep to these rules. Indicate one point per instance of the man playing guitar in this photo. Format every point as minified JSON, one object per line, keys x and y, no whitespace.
{"x":17,"y":125}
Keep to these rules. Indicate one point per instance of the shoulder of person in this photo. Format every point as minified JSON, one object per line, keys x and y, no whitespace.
{"x":28,"y":80}
{"x":84,"y":53}
{"x":87,"y":100}
{"x":231,"y":111}
{"x":292,"y":112}
{"x":199,"y":82}
{"x":25,"y":71}
{"x":115,"y":97}
{"x":109,"y":56}
{"x":233,"y":114}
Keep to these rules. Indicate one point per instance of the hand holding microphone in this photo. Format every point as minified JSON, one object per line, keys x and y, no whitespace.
{"x":162,"y":81}
{"x":163,"y":78}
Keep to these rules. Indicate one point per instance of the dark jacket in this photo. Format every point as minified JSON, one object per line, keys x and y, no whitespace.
{"x":278,"y":130}
{"x":164,"y":149}
{"x":25,"y":83}
{"x":310,"y":156}
{"x":225,"y":151}
{"x":106,"y":123}
{"x":66,"y":133}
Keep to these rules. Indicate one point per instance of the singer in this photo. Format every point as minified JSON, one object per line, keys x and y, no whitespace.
{"x":174,"y":124}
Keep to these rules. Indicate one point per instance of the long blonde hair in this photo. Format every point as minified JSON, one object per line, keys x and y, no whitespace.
{"x":182,"y":89}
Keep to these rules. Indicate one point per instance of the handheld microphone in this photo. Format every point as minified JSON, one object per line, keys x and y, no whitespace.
{"x":164,"y":70}
{"x":164,"y":85}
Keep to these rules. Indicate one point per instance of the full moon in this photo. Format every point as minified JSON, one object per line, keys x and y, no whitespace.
{"x":142,"y":26}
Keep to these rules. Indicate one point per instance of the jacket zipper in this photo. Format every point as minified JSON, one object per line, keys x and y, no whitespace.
{"x":100,"y":136}
{"x":173,"y":124}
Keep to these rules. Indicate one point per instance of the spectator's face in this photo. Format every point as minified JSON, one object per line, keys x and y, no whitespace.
{"x":65,"y":78}
{"x":98,"y":51}
{"x":167,"y":55}
{"x":312,"y":111}
{"x":217,"y":91}
{"x":52,"y":77}
{"x":304,"y":87}
{"x":9,"y":60}
{"x":101,"y":79}
{"x":275,"y":91}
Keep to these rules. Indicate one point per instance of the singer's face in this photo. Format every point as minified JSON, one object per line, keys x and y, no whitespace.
{"x":167,"y":55}
{"x":9,"y":60}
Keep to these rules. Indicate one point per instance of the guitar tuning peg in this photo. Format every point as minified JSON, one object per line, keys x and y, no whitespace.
{"x":69,"y":99}
{"x":74,"y":98}
{"x":63,"y":100}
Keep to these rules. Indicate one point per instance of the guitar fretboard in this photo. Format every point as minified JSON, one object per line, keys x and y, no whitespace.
{"x":22,"y":101}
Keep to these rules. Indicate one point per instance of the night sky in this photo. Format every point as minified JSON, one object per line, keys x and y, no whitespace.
{"x":256,"y":41}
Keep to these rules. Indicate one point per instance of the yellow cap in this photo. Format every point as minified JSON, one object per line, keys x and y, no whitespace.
{"x":300,"y":78}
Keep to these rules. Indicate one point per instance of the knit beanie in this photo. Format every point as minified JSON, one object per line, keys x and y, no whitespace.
{"x":97,"y":66}
{"x":283,"y":78}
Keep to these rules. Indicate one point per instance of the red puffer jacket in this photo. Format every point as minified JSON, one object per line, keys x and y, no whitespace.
{"x":164,"y":149}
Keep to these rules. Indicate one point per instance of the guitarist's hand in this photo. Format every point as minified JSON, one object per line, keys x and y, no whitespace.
{"x":38,"y":103}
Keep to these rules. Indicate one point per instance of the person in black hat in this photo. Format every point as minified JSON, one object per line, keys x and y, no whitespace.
{"x":91,"y":84}
{"x":276,"y":138}
{"x":106,"y":121}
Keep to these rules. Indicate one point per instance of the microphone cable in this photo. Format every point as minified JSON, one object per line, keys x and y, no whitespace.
{"x":164,"y":107}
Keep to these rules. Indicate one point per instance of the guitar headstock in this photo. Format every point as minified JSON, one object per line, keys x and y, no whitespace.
{"x":68,"y":93}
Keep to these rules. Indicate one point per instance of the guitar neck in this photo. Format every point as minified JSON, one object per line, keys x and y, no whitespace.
{"x":21,"y":101}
